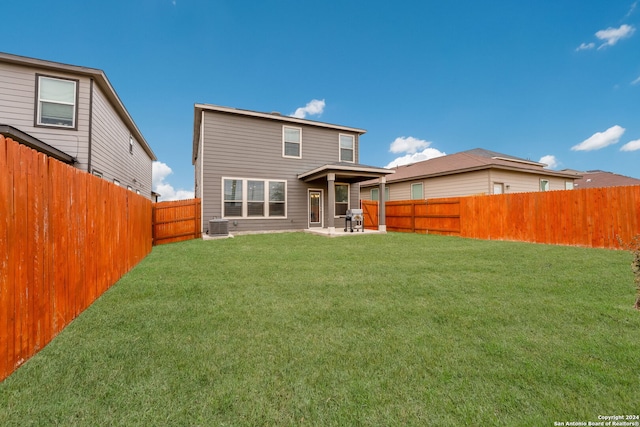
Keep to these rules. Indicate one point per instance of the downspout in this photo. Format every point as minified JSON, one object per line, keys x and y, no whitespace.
{"x":201,"y":160}
{"x":90,"y":125}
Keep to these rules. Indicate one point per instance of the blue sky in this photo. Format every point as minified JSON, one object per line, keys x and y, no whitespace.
{"x":545,"y":79}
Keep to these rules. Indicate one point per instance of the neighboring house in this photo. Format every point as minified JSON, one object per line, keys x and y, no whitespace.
{"x":471,"y":172}
{"x":598,"y":178}
{"x":73,"y":114}
{"x":268,"y":172}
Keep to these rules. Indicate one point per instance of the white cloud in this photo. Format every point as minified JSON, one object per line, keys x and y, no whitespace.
{"x":160,"y":171}
{"x":611,"y":36}
{"x":632,"y":9}
{"x":600,"y":139}
{"x":585,"y":46}
{"x":408,"y":145}
{"x":315,"y":107}
{"x":631,"y":146}
{"x":426,"y":154}
{"x":411,"y":145}
{"x":636,"y":81}
{"x":550,"y":161}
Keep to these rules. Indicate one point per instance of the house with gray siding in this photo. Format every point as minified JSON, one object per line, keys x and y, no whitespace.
{"x":268,"y":172}
{"x":73,"y":114}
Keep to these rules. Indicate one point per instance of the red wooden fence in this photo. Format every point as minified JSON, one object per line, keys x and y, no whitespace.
{"x":176,"y":221}
{"x":593,"y":217}
{"x":65,"y":237}
{"x":370,"y":213}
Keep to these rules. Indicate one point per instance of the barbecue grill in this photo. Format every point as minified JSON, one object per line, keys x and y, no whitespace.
{"x":353,"y":220}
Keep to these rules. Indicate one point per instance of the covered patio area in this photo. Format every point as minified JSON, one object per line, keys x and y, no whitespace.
{"x":328,"y":177}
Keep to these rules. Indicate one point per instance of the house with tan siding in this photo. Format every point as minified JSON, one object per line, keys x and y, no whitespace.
{"x":73,"y":114}
{"x":471,"y":172}
{"x":268,"y":172}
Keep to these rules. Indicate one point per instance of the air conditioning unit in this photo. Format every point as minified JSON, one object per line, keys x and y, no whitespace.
{"x":218,"y":227}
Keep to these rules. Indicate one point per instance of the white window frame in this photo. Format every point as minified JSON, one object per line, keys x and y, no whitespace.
{"x":284,"y":142}
{"x":335,"y":215}
{"x":130,"y":144}
{"x":499,"y":186}
{"x":116,"y":182}
{"x":375,"y":194}
{"x":544,"y":187}
{"x":40,"y":101}
{"x":353,"y":148}
{"x":245,"y":201}
{"x":569,"y":185}
{"x":415,"y":184}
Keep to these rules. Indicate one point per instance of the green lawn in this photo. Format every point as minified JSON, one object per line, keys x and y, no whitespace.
{"x":376,"y":330}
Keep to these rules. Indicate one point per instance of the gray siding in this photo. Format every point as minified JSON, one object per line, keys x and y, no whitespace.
{"x":110,"y":148}
{"x":18,"y":103}
{"x":249,"y":147}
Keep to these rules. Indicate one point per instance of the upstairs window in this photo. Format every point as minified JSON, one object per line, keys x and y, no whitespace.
{"x":347,"y":148}
{"x":57,"y":102}
{"x":291,"y":142}
{"x":544,"y":185}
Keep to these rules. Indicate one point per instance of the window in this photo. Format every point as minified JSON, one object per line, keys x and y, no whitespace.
{"x":116,"y":182}
{"x":254,"y":198}
{"x":276,"y":198}
{"x":232,"y":197}
{"x":347,"y":145}
{"x":56,"y":103}
{"x":498,"y":188}
{"x":130,"y":144}
{"x":342,"y":199}
{"x":416,"y":191}
{"x":375,"y":193}
{"x":544,"y":185}
{"x":568,"y":185}
{"x":97,"y":173}
{"x":292,"y":142}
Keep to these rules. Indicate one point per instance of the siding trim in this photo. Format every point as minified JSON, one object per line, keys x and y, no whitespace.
{"x":90,"y":137}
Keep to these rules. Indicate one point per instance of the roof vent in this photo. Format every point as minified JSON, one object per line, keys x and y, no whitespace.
{"x":276,"y":113}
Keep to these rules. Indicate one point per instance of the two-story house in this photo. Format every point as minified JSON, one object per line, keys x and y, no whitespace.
{"x":73,"y":114}
{"x":268,"y":172}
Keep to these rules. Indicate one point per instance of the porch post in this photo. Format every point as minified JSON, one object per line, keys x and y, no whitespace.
{"x":331,"y":181}
{"x":382,"y":220}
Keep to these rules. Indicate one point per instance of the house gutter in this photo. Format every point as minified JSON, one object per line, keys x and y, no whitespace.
{"x":31,"y":142}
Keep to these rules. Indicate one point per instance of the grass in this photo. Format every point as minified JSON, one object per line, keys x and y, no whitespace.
{"x":379,"y":330}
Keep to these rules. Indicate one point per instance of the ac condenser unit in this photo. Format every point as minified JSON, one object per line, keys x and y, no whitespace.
{"x":218,"y":227}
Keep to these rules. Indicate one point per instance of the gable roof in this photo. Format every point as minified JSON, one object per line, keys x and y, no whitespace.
{"x":199,"y":108}
{"x":101,"y":80}
{"x":598,"y":178}
{"x":468,"y":161}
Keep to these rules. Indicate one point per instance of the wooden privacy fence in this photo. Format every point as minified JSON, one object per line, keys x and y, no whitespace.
{"x":176,"y":221}
{"x":65,"y":237}
{"x":440,"y":216}
{"x":593,"y":217}
{"x":370,"y":214}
